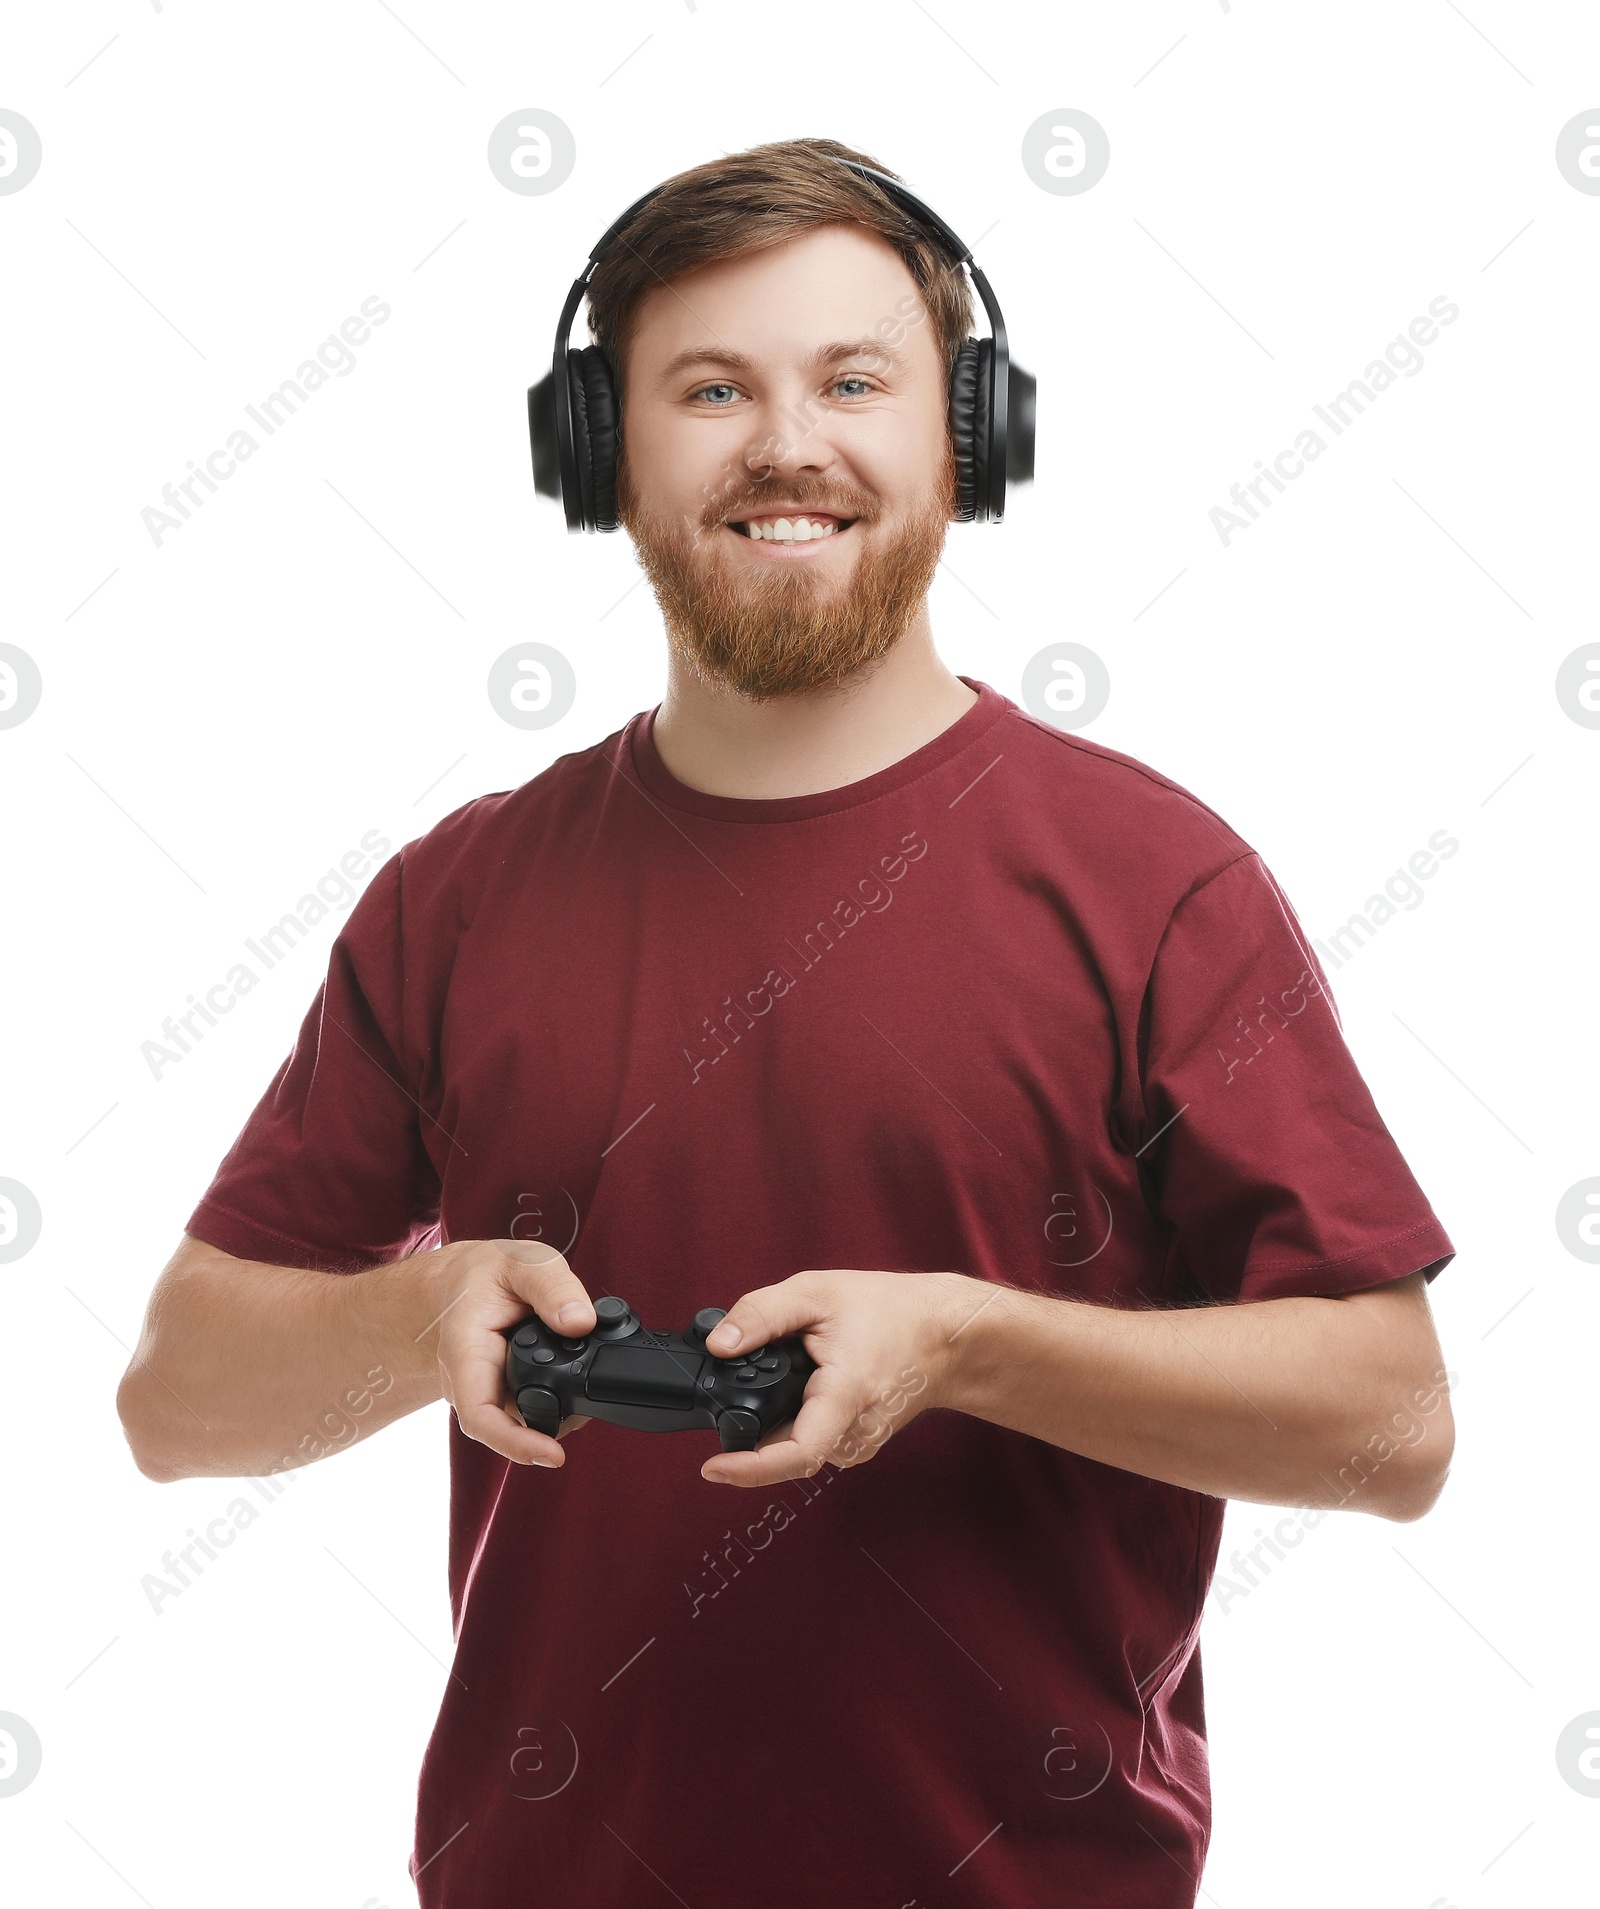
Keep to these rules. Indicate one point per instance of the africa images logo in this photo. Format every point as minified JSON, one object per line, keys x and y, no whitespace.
{"x":1402,"y":357}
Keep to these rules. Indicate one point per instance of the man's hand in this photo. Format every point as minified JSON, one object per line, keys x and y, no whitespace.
{"x":882,"y":1343}
{"x":481,"y":1287}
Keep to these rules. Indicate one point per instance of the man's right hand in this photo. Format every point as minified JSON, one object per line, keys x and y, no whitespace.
{"x":333,"y":1357}
{"x":480,"y":1287}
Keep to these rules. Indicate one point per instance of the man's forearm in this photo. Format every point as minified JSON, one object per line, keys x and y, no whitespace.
{"x":1283,"y":1401}
{"x":245,"y":1368}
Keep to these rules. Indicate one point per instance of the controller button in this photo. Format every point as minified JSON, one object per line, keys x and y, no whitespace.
{"x":610,"y":1309}
{"x":769,"y":1364}
{"x":745,"y":1374}
{"x":574,"y":1345}
{"x":525,"y":1336}
{"x":542,"y":1355}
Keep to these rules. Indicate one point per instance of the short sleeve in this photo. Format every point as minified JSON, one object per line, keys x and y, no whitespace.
{"x":1265,"y":1155}
{"x":330,"y":1171}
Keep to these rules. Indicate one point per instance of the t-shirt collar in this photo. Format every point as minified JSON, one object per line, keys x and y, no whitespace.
{"x":966,"y":730}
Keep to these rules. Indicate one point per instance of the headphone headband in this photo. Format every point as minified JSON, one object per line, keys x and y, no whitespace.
{"x":568,"y":466}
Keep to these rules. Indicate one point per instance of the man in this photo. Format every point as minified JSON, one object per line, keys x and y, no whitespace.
{"x":840,"y":992}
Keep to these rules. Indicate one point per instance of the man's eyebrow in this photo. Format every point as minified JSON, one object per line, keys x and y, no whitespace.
{"x":725,"y":358}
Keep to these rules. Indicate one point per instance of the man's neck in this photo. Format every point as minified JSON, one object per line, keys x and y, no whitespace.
{"x":721,"y":743}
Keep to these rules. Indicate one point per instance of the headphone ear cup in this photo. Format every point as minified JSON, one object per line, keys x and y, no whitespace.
{"x":542,"y":433}
{"x":969,"y":427}
{"x":595,"y":422}
{"x":1022,"y":400}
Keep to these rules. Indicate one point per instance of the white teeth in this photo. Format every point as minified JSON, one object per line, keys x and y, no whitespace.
{"x":785,"y":530}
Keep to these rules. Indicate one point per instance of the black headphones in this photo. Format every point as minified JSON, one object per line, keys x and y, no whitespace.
{"x":574,"y":416}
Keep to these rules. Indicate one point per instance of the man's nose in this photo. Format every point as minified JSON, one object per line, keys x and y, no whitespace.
{"x":790,"y":431}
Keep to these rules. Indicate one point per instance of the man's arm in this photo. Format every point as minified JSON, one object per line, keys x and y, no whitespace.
{"x":1280,"y":1401}
{"x":1267,"y":1401}
{"x":245,"y":1368}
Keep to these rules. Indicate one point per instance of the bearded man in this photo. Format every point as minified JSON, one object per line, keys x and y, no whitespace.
{"x":839,"y":993}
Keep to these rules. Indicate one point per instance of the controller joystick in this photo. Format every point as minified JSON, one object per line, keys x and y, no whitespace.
{"x":650,"y":1381}
{"x":705,"y":1322}
{"x":614,"y":1319}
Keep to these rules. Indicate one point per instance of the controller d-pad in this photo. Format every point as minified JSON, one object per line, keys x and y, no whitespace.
{"x":746,"y":1374}
{"x":768,"y":1364}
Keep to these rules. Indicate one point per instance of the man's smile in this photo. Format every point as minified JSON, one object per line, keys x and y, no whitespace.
{"x":787,"y":535}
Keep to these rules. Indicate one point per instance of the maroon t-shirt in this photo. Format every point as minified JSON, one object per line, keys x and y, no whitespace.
{"x":1016,"y":1006}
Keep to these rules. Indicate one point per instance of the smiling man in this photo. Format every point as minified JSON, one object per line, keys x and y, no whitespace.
{"x":838,"y":992}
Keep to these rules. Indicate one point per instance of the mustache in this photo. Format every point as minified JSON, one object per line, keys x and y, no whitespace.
{"x":848,"y":501}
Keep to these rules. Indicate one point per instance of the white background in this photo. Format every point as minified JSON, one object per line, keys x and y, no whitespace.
{"x":225,"y":715}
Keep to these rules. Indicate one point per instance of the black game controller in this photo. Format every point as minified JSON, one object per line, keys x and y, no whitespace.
{"x":654,"y":1381}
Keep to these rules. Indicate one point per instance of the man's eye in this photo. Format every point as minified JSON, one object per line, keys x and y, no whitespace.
{"x":717,"y":404}
{"x":853,"y":378}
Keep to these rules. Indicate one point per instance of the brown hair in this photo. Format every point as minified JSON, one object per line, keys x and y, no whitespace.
{"x":748,"y":201}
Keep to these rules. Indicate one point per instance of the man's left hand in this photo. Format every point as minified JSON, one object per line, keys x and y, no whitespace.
{"x":882,"y":1343}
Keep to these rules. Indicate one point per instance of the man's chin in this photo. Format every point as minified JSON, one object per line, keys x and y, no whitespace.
{"x":770,"y":678}
{"x":779,"y":653}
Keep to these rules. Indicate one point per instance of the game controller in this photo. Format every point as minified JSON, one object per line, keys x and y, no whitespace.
{"x":654,"y":1381}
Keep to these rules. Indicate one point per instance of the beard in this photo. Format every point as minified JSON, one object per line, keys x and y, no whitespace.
{"x":767,"y":630}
